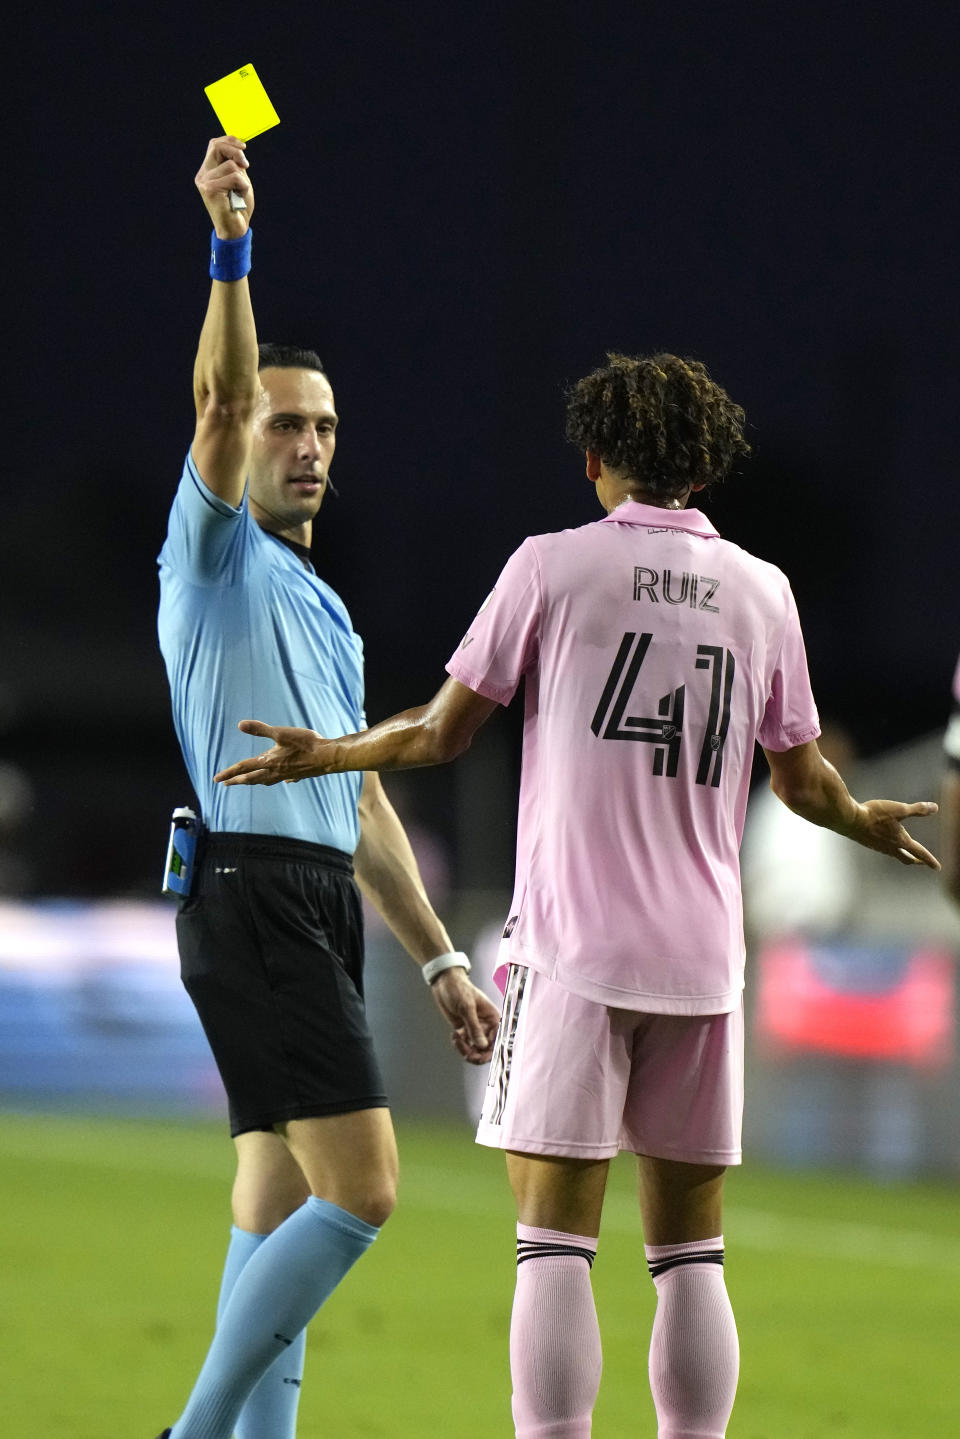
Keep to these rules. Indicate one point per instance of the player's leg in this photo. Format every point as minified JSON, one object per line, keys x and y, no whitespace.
{"x":679,"y":1203}
{"x":556,"y":1192}
{"x":555,"y":1352}
{"x":685,"y":1102}
{"x":554,"y":1101}
{"x":694,"y":1352}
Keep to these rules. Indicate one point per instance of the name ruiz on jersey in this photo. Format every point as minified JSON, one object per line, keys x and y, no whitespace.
{"x":675,"y":588}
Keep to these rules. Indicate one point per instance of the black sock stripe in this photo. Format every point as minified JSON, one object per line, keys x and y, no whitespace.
{"x":539,"y":1249}
{"x":660,"y":1266}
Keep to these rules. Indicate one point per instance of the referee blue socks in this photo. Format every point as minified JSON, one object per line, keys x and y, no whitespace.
{"x":272,"y":1406}
{"x":276,"y":1294}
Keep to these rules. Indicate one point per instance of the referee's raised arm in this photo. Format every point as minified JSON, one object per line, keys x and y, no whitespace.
{"x":225,"y":384}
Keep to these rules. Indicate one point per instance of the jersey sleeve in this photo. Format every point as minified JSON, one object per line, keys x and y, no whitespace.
{"x":790,"y":717}
{"x":208,"y":541}
{"x":503,"y":642}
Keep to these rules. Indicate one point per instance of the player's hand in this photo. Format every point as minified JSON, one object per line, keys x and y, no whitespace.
{"x":473,"y":1018}
{"x":879,"y":826}
{"x":296,"y":754}
{"x":224,"y":169}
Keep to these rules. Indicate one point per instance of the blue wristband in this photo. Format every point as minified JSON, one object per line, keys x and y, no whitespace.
{"x":230,"y":259}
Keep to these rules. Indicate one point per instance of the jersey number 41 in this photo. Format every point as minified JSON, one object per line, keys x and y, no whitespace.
{"x":665,"y":733}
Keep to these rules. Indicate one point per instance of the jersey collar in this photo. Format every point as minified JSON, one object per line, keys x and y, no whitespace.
{"x":652,"y":517}
{"x":302,"y":552}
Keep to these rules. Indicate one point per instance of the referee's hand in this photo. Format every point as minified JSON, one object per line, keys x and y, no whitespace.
{"x":224,"y":169}
{"x":473,"y":1018}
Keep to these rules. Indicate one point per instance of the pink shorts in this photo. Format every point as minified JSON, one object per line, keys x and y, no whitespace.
{"x":576,"y":1078}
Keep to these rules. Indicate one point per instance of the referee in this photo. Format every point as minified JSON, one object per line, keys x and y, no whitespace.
{"x":654,"y":656}
{"x":270,"y":937}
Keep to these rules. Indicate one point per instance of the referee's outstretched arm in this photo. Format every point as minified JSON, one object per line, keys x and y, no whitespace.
{"x":225,"y":383}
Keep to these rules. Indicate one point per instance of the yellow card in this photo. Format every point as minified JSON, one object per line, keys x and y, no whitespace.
{"x":241,"y":104}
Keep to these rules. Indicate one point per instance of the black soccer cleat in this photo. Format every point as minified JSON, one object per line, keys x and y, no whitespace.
{"x":165,"y":1435}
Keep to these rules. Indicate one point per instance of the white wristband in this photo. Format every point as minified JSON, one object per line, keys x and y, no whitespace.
{"x":435,"y":967}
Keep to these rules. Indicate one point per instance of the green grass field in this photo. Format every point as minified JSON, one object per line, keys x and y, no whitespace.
{"x":847,"y":1295}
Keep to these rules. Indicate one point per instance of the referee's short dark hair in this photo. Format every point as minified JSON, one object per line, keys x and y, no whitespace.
{"x":659,"y":419}
{"x":289,"y":357}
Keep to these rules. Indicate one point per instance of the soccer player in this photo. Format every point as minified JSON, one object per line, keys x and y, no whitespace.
{"x":654,"y":656}
{"x":270,"y":937}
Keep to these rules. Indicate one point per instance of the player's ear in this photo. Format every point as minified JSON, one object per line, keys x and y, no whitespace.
{"x":593,"y":466}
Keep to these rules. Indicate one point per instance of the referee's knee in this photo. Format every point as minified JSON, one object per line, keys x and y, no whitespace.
{"x":373,"y":1202}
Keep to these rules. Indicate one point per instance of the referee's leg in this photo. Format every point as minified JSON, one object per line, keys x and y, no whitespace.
{"x":268,"y":1188}
{"x":349,"y":1160}
{"x":349,"y":1164}
{"x":694,"y":1353}
{"x":555,"y":1356}
{"x":269,"y":1183}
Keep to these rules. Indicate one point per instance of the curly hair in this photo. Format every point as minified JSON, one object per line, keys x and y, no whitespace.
{"x":660,"y":420}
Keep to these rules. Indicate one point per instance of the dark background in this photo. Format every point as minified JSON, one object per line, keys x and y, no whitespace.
{"x":462,"y":208}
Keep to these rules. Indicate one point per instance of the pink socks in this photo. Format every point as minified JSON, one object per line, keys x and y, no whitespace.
{"x":694,"y":1354}
{"x":555,"y":1356}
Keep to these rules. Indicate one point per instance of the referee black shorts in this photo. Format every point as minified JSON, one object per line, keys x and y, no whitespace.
{"x":271,"y":953}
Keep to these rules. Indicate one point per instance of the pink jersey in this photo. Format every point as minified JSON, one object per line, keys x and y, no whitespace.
{"x":654,"y":655}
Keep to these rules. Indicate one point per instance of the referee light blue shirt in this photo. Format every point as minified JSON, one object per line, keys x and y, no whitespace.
{"x":248,"y":632}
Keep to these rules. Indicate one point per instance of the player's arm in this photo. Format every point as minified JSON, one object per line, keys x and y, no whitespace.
{"x":225,"y":383}
{"x":389,"y":876}
{"x":434,"y":733}
{"x":810,"y":786}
